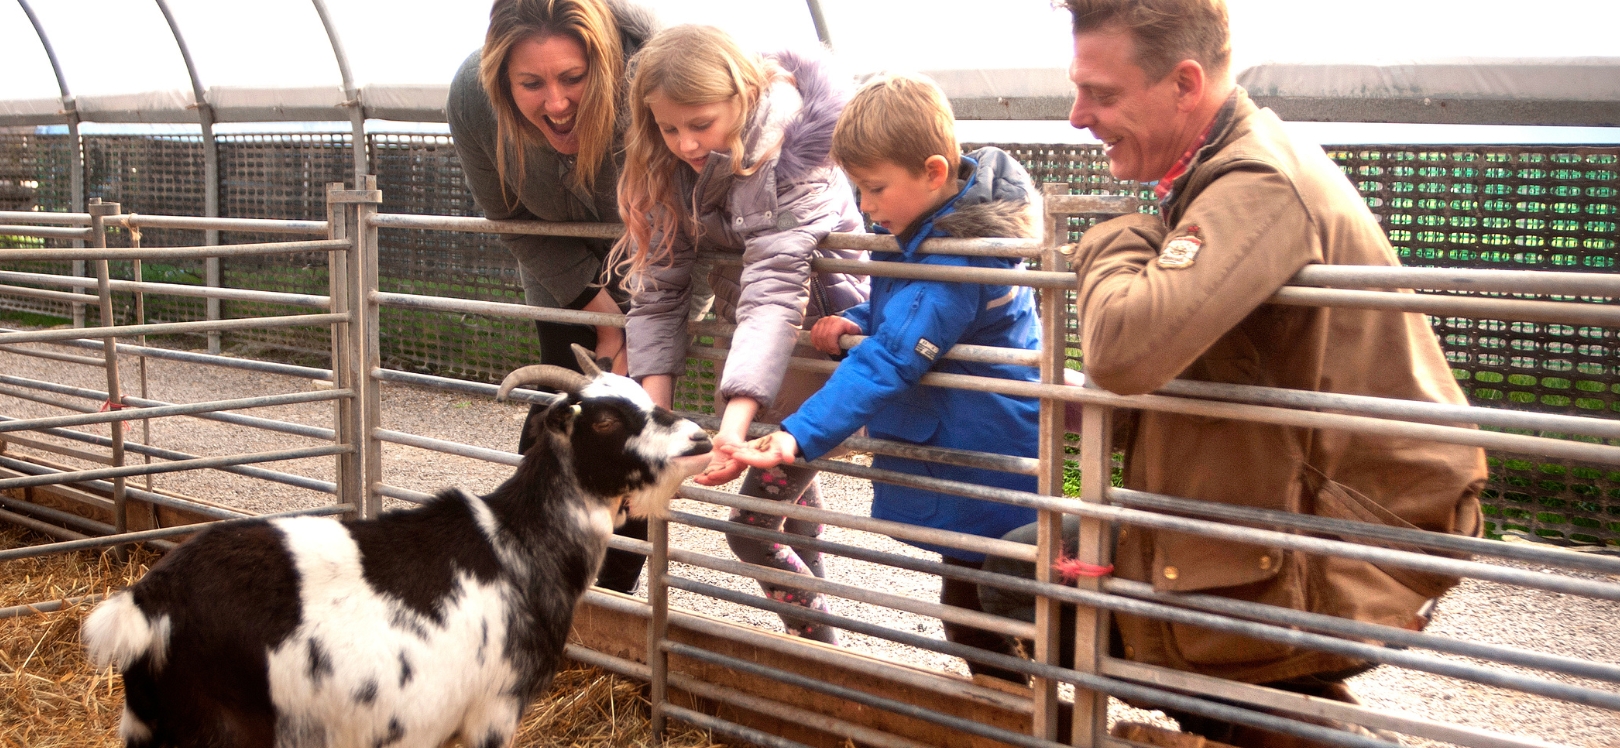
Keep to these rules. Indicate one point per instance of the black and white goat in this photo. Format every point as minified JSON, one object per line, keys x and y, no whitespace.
{"x":437,"y":621}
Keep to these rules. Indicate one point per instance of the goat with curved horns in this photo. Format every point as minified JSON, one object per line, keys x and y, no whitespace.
{"x":426,"y":623}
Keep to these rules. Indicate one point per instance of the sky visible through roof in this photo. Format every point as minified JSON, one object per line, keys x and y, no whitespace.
{"x":125,"y":46}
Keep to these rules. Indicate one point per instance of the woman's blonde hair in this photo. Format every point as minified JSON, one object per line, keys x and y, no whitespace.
{"x":689,"y":66}
{"x":588,"y":22}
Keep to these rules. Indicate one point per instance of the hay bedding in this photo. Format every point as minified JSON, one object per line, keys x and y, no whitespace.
{"x":51,"y":697}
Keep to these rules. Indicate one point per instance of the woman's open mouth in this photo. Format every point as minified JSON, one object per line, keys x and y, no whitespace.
{"x":561,"y":125}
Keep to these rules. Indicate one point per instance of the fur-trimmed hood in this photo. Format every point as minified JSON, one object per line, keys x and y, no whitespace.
{"x":795,"y":116}
{"x":998,"y":200}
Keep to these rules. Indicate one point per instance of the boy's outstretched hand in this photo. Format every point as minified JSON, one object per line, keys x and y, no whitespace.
{"x":824,"y":336}
{"x":768,"y":451}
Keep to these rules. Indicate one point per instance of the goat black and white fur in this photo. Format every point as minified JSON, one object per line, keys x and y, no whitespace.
{"x":437,"y":621}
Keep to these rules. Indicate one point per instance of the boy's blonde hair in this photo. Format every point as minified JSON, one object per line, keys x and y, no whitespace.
{"x":899,"y":118}
{"x":690,"y":66}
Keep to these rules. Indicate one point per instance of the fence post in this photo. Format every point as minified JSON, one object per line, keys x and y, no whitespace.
{"x":1054,"y":310}
{"x":658,"y":624}
{"x":340,"y":282}
{"x":1095,"y":548}
{"x":369,"y":353}
{"x":99,"y":211}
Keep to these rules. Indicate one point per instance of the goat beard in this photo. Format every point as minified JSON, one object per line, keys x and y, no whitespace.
{"x":652,"y":499}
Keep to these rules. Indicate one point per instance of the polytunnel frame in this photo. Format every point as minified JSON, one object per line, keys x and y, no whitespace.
{"x":354,"y":221}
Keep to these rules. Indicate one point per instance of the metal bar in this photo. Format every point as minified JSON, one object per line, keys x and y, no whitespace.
{"x":860,"y":697}
{"x":368,"y":344}
{"x":403,"y":494}
{"x":1289,"y":541}
{"x":227,"y":362}
{"x":941,"y":455}
{"x":40,"y":526}
{"x":1325,"y":525}
{"x":1390,"y":635}
{"x":173,"y":253}
{"x":495,"y":308}
{"x":214,"y":223}
{"x":447,"y":447}
{"x":40,"y":293}
{"x":48,"y":606}
{"x":457,"y":385}
{"x":1095,"y":547}
{"x":361,"y":166}
{"x":1085,"y":205}
{"x":1110,"y":686}
{"x":44,"y":217}
{"x":1027,"y":248}
{"x":61,"y":518}
{"x":1049,"y":482}
{"x":989,"y":276}
{"x":486,"y":226}
{"x":109,"y":351}
{"x":850,"y":592}
{"x":897,"y":530}
{"x":1459,"y":279}
{"x":141,"y":449}
{"x":136,"y":414}
{"x":1603,"y":315}
{"x":820,"y":22}
{"x":171,"y":289}
{"x":43,"y":232}
{"x":865,"y":736}
{"x":34,"y":397}
{"x":166,"y":328}
{"x":145,"y":535}
{"x":340,"y":276}
{"x":1266,"y":697}
{"x":171,"y":467}
{"x":52,"y":356}
{"x":1405,"y":410}
{"x":729,"y":729}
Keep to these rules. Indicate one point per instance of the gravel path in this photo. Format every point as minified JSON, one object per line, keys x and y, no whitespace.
{"x":1478,"y":611}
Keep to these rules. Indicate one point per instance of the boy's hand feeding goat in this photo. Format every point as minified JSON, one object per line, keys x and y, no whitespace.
{"x":406,"y":630}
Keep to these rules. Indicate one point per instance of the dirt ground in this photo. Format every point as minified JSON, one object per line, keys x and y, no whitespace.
{"x":1478,"y":611}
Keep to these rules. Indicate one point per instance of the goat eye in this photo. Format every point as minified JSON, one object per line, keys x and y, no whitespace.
{"x":605,"y":425}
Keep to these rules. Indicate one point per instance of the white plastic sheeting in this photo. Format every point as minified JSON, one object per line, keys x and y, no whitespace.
{"x":270,"y":60}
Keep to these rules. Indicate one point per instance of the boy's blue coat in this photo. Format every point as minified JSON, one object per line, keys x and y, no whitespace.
{"x":876,"y":385}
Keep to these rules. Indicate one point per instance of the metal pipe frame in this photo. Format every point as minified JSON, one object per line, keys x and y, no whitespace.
{"x":164,"y":500}
{"x":138,"y":413}
{"x":126,"y":349}
{"x":42,"y":232}
{"x":167,"y":328}
{"x":357,"y":113}
{"x":253,"y":225}
{"x":44,"y":218}
{"x":170,"y":289}
{"x":161,"y":534}
{"x":174,"y":253}
{"x":176,"y":466}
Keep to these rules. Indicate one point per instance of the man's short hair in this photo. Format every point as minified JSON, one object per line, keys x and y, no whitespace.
{"x":900,"y":118}
{"x":1166,"y":31}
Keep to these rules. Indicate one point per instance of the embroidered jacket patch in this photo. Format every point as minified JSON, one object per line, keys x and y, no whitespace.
{"x":1180,"y":252}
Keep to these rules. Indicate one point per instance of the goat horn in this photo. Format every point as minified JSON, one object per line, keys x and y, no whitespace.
{"x":587,"y":363}
{"x":554,"y":377}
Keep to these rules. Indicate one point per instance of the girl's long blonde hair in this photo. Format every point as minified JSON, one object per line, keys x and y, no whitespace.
{"x":690,"y":66}
{"x":588,"y":22}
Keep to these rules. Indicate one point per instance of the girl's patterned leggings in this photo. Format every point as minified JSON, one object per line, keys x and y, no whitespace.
{"x":785,"y":483}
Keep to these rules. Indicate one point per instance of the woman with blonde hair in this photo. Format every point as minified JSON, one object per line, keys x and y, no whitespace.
{"x":536,"y":114}
{"x":730,"y":152}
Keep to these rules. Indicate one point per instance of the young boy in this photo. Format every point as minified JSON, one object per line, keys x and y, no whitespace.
{"x":897,"y":142}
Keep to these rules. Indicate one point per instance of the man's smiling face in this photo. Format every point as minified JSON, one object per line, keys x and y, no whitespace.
{"x":1136,"y":118}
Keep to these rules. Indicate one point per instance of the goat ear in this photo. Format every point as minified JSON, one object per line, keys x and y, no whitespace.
{"x":561,"y":417}
{"x":587,"y":364}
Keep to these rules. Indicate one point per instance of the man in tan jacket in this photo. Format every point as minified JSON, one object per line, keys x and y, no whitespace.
{"x":1183,"y":294}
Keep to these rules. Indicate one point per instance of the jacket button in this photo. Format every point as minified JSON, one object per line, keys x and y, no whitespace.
{"x":767,"y":214}
{"x":1265,"y":563}
{"x":738,"y":221}
{"x":1171,"y":572}
{"x":1130,"y":651}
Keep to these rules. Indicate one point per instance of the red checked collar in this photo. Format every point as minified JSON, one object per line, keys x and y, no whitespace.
{"x":1162,"y":187}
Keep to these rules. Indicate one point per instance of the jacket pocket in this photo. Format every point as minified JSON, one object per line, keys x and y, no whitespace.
{"x":1258,"y":575}
{"x":1338,"y":501}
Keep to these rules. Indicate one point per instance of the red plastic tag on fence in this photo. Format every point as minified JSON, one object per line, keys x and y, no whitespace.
{"x":1070,"y":569}
{"x":110,"y":405}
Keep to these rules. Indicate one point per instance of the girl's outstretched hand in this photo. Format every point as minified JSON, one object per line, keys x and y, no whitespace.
{"x":768,"y":451}
{"x":723,"y":466}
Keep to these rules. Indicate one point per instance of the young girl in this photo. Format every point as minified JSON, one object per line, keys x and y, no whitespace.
{"x":729,"y":152}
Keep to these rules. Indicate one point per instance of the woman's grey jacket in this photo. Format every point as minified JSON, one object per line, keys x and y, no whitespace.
{"x":556,"y":270}
{"x":773,"y":218}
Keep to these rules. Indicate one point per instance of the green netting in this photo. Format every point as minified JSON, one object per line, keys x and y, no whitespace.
{"x":1551,"y":208}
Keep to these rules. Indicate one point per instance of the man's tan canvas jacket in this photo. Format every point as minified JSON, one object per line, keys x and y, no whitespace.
{"x":1185,"y":296}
